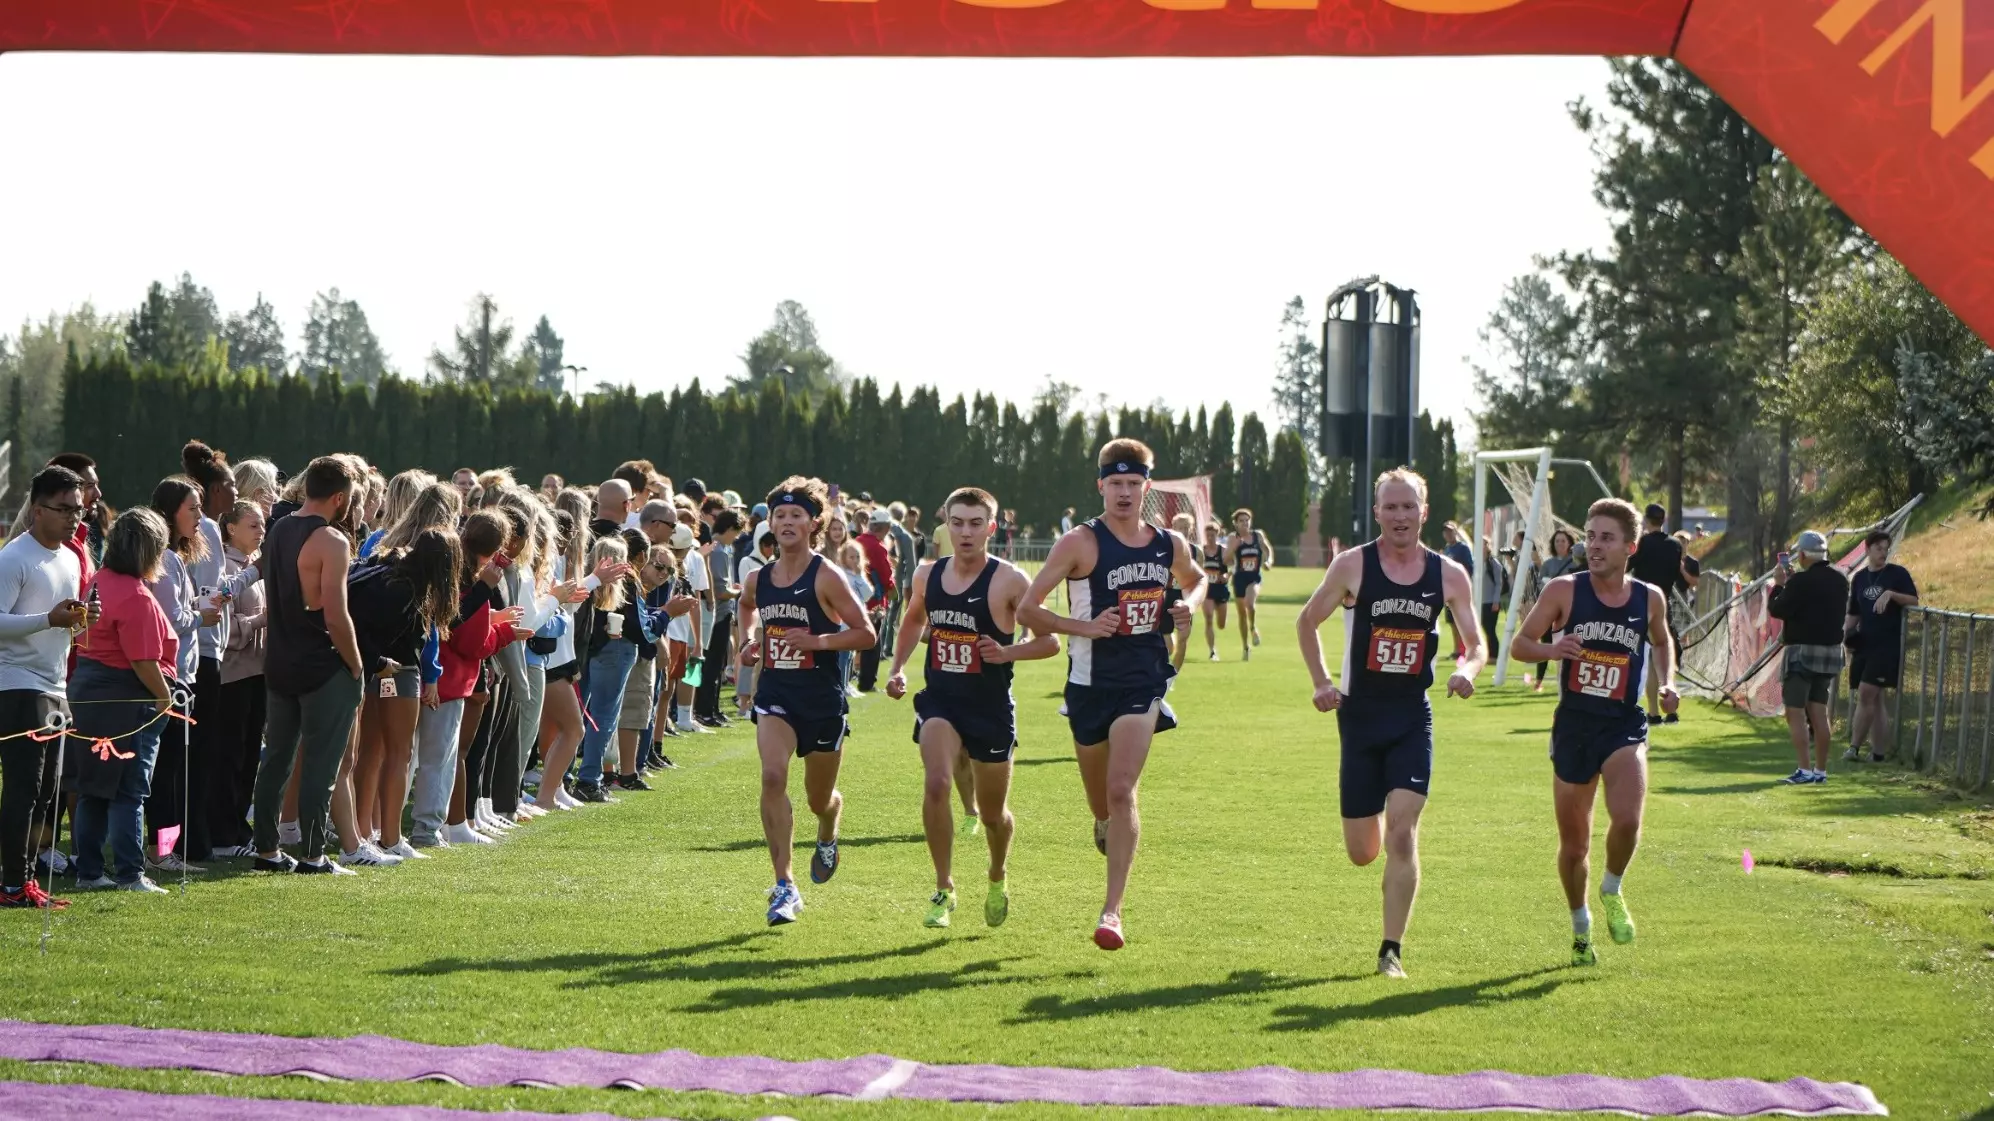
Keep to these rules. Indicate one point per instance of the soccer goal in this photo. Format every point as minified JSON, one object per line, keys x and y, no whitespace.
{"x":1168,"y":498}
{"x":1526,"y":474}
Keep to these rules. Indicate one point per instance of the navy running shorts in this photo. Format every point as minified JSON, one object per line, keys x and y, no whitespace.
{"x":1387,"y":746}
{"x":988,"y":734}
{"x":1092,"y":709}
{"x":1217,"y":592}
{"x":819,"y":727}
{"x":1582,"y":742}
{"x":1241,"y":582}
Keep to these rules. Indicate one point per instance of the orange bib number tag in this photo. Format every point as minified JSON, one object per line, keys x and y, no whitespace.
{"x":1249,"y":563}
{"x":953,"y":652}
{"x":1396,"y":651}
{"x":780,"y":652}
{"x":1601,"y":673}
{"x":1141,"y":609}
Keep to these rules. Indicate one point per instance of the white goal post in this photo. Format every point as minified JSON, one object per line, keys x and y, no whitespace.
{"x":1537,"y":538}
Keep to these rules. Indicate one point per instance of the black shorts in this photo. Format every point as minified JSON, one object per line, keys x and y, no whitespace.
{"x":1581,"y":742}
{"x":1217,"y":592}
{"x":1387,"y":746}
{"x":1881,"y":666}
{"x":812,"y":736}
{"x":989,"y":734}
{"x":1090,"y":710}
{"x":1857,"y":662}
{"x":565,"y":673}
{"x":1241,"y":582}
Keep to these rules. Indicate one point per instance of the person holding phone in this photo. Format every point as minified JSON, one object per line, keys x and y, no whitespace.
{"x":1812,"y":604}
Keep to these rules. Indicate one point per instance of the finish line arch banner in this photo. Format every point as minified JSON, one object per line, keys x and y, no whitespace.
{"x":1884,"y":103}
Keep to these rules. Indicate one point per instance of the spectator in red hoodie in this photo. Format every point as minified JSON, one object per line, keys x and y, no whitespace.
{"x":879,"y":565}
{"x":476,"y":634}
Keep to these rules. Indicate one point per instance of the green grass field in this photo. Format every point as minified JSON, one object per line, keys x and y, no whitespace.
{"x":1862,"y":949}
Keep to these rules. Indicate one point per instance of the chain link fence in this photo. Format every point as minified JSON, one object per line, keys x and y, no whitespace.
{"x":1945,"y":708}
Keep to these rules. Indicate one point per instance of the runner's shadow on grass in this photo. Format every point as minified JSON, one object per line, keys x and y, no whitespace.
{"x":587,"y":970}
{"x":570,"y":963}
{"x":1053,"y":1007}
{"x":1495,"y":990}
{"x":757,"y":844}
{"x":1529,"y":732}
{"x":1051,"y":761}
{"x":974,"y":975}
{"x":1731,"y":788}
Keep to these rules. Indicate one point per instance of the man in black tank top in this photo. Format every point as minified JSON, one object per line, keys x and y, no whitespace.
{"x":1394,"y":590}
{"x":1613,"y":626}
{"x":312,"y":669}
{"x":1117,"y":569}
{"x":1217,"y":593}
{"x":794,"y":608}
{"x":968,"y":607}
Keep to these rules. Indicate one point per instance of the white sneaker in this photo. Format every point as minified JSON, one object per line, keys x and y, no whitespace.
{"x":369,"y":856}
{"x":530,"y":780}
{"x":852,"y":690}
{"x":405,"y":850}
{"x":172,"y":862}
{"x":462,"y":834}
{"x":288,"y":833}
{"x":53,"y":860}
{"x":143,"y":885}
{"x":565,"y":801}
{"x":529,"y":810}
{"x":100,"y":883}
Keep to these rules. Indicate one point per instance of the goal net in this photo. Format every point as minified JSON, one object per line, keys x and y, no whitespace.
{"x":1168,"y":498}
{"x":1517,"y":534}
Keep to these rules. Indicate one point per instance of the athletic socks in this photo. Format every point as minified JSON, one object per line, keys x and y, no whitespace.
{"x":1609,"y":884}
{"x":1582,"y":922}
{"x":1389,"y":947}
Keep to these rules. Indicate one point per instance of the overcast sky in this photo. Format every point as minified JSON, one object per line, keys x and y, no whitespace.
{"x":1132,"y":226}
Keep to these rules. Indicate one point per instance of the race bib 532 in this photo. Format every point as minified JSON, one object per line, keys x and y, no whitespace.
{"x":1141,"y":609}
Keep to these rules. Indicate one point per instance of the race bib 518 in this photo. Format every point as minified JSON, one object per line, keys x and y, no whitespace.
{"x":953,"y":652}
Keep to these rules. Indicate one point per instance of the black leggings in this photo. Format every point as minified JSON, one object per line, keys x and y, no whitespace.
{"x":23,"y":762}
{"x":480,"y":758}
{"x":238,"y":716}
{"x":1489,"y":611}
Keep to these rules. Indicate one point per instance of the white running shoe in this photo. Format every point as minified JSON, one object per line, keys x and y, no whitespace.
{"x":565,"y":801}
{"x":288,"y":833}
{"x":462,"y":834}
{"x":368,"y":856}
{"x":405,"y":850}
{"x":102,"y":882}
{"x":145,"y":885}
{"x":172,"y":862}
{"x":53,"y":860}
{"x":529,"y":810}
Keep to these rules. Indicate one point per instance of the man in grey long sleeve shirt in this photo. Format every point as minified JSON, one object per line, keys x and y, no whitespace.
{"x":40,"y":586}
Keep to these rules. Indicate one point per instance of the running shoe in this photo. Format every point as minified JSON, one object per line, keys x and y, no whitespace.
{"x":939,"y":906}
{"x":590,"y":792}
{"x":1818,"y":778}
{"x":784,"y":903}
{"x":1801,"y":777}
{"x":824,"y":862}
{"x":1852,"y":756}
{"x":969,"y":826}
{"x":1101,"y":837}
{"x":1389,"y":965}
{"x":144,"y":886}
{"x":1256,"y":636}
{"x":1671,"y":718}
{"x":1108,"y":935}
{"x":462,"y":834}
{"x":1875,"y":757}
{"x":323,"y":868}
{"x":1246,"y":655}
{"x":173,"y":862}
{"x":282,"y":862}
{"x":1653,"y":716}
{"x":53,"y":860}
{"x":235,"y":852}
{"x":665,"y":762}
{"x":1214,"y":655}
{"x":566,"y":801}
{"x":31,"y":895}
{"x":405,"y":850}
{"x":1618,"y":921}
{"x":631,"y":782}
{"x":997,"y":904}
{"x":99,"y":883}
{"x":369,"y":856}
{"x":1582,"y":953}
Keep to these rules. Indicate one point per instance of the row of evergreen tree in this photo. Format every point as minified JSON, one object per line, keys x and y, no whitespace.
{"x":911,"y":446}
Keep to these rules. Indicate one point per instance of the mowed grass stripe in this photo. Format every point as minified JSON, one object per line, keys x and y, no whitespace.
{"x":640,"y":926}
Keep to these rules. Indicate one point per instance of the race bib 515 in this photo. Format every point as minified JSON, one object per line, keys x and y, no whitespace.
{"x":1396,"y":651}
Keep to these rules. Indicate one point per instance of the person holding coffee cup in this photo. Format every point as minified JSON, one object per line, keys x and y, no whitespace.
{"x":610,"y":626}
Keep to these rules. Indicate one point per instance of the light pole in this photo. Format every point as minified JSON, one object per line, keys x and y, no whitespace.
{"x":578,"y":371}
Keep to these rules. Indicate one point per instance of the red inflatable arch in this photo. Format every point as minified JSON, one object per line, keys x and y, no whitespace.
{"x":1883,"y":102}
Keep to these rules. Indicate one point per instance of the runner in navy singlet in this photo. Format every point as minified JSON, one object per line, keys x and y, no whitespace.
{"x":1249,"y":551}
{"x":1611,"y":626}
{"x":795,"y":606}
{"x":1395,"y":590}
{"x":1217,"y":594}
{"x":968,"y":607}
{"x":1116,"y":570}
{"x":1180,"y":636}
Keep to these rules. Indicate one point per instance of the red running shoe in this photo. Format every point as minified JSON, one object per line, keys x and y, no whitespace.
{"x":1108,"y":935}
{"x":31,"y":896}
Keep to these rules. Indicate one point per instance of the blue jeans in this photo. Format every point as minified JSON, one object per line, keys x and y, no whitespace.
{"x":607,"y":674}
{"x":120,"y":815}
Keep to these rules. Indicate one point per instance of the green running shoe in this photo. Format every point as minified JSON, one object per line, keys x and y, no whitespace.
{"x":1582,"y":952}
{"x":1618,"y":921}
{"x":939,"y":906}
{"x":997,"y":905}
{"x":969,"y":826}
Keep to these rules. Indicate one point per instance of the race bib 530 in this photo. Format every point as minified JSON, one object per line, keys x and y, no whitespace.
{"x":1601,"y":673}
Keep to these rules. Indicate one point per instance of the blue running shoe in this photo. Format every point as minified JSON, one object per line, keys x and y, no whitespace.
{"x":824,"y":862}
{"x":784,"y":903}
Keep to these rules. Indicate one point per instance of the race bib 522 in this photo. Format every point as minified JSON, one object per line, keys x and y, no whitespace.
{"x":779,"y":649}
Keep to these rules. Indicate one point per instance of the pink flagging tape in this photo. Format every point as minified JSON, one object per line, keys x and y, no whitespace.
{"x":879,"y":1077}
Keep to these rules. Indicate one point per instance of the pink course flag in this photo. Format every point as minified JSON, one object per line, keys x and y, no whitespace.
{"x":1747,"y":862}
{"x":168,"y":837}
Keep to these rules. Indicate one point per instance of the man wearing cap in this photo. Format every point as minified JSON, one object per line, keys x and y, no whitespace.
{"x":1658,"y":561}
{"x":1812,"y":603}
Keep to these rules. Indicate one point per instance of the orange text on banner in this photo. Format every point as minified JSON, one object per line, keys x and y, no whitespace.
{"x":1952,"y":103}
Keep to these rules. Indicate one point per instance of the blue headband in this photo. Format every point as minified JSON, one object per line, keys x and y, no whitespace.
{"x":1125,"y":467}
{"x":794,"y":498}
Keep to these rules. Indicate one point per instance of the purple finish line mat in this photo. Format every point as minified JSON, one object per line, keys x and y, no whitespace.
{"x":876,"y":1077}
{"x":39,"y":1101}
